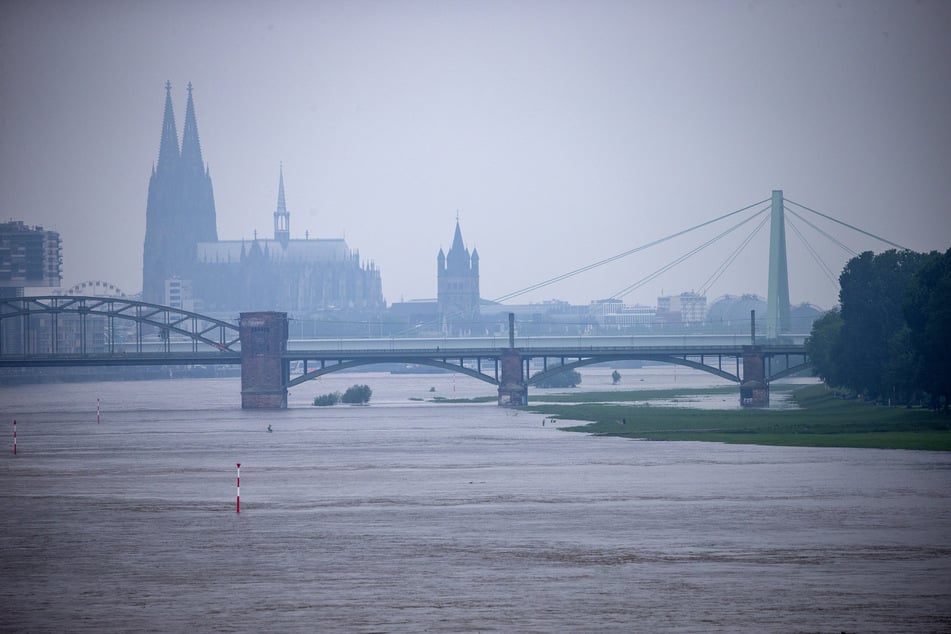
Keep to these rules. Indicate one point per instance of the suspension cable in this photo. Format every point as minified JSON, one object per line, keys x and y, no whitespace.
{"x":830,"y":237}
{"x":845,"y":224}
{"x":815,"y":255}
{"x":683,"y":257}
{"x":718,"y":273}
{"x":613,"y":258}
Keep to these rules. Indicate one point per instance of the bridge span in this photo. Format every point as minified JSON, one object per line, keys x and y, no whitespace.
{"x":84,"y":331}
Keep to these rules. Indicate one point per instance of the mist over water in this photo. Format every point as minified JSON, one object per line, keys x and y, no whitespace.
{"x":408,"y":515}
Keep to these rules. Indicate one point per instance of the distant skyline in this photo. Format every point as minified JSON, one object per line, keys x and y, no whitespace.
{"x":562,"y":133}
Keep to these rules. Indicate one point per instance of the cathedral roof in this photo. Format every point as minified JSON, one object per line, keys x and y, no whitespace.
{"x":302,"y":251}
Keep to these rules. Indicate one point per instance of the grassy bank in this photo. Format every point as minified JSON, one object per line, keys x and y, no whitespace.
{"x":822,"y":421}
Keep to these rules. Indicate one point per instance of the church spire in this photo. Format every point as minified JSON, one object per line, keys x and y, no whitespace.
{"x":282,"y":219}
{"x":457,"y":244}
{"x":191,"y":148}
{"x":168,"y":147}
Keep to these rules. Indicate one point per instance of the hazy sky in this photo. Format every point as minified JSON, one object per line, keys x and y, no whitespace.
{"x":562,"y":132}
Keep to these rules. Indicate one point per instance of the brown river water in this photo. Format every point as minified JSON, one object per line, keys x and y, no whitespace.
{"x":413,"y":516}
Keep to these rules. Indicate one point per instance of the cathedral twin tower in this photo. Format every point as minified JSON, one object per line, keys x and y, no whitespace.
{"x":181,"y":205}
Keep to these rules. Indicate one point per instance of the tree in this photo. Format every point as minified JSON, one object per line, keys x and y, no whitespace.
{"x":823,"y":347}
{"x":357,"y":395}
{"x":564,"y":378}
{"x":872,"y":296}
{"x":903,"y":370}
{"x":928,"y":313}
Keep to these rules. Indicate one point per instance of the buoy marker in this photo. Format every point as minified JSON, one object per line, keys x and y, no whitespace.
{"x":14,"y":436}
{"x":238,"y":499}
{"x":98,"y":410}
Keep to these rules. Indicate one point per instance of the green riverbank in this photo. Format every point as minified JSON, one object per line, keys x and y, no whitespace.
{"x":821,"y":421}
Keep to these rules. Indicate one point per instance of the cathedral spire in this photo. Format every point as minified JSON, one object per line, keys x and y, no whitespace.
{"x":168,"y":147}
{"x":281,"y":205}
{"x":191,"y":147}
{"x":282,"y":219}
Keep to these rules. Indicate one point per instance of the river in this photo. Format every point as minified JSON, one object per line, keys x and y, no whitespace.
{"x":408,"y":515}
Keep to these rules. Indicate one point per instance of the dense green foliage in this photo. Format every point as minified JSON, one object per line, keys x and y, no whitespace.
{"x":327,"y":399}
{"x":357,"y":395}
{"x":891,"y":339}
{"x":565,"y":378}
{"x":928,"y":313}
{"x":823,"y":421}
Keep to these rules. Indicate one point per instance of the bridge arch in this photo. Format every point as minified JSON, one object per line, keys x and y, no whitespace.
{"x":552,"y":370}
{"x":353,"y":363}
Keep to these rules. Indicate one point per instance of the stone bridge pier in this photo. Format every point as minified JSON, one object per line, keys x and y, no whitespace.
{"x":264,"y":375}
{"x":513,"y":384}
{"x":754,"y":390}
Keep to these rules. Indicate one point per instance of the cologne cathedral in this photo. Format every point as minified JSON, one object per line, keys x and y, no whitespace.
{"x":185,"y":265}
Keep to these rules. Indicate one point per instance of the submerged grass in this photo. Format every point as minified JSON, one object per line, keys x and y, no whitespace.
{"x":821,"y":421}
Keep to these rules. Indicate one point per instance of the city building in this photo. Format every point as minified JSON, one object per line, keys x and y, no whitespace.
{"x":686,"y":309}
{"x":29,"y":257}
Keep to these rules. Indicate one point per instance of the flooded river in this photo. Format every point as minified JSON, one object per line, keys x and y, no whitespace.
{"x":408,"y":515}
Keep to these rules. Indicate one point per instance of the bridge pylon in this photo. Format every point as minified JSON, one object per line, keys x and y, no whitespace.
{"x":777,"y":300}
{"x":264,"y":373}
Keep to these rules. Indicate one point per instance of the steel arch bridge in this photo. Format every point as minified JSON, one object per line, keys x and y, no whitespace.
{"x":109,"y":330}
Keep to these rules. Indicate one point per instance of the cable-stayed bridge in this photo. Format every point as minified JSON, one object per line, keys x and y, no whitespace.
{"x":93,"y":331}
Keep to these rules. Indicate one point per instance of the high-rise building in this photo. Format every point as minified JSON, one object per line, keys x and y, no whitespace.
{"x":29,"y":257}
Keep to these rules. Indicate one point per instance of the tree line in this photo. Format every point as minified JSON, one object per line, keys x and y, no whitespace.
{"x":890,"y":338}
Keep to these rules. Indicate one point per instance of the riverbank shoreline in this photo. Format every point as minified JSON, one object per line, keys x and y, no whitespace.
{"x":819,"y":420}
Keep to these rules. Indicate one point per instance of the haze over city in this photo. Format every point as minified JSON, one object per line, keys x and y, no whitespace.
{"x":560,"y":133}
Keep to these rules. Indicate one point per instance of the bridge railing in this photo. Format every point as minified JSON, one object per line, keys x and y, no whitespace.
{"x":530,"y":343}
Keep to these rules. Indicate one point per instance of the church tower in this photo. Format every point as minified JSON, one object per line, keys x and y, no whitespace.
{"x":180,"y":211}
{"x":457,"y":285}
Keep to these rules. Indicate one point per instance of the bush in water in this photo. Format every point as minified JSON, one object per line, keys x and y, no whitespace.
{"x":327,"y":399}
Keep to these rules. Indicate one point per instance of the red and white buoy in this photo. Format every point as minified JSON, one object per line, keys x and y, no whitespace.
{"x":238,"y":499}
{"x":14,"y":436}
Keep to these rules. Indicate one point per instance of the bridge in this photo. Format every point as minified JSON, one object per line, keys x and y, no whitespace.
{"x":82,"y":331}
{"x":79,"y":331}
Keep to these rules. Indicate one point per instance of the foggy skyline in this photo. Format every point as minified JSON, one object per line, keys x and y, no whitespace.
{"x":562,"y":133}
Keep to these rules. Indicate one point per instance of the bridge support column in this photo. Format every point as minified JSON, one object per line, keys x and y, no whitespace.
{"x":513,"y":388}
{"x":754,"y":390}
{"x":264,"y":374}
